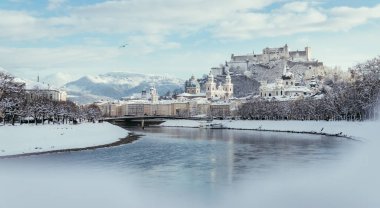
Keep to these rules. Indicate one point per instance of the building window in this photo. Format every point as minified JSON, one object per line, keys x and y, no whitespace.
{"x":281,"y":92}
{"x":291,"y":83}
{"x":276,"y":93}
{"x":270,"y":94}
{"x":286,"y":83}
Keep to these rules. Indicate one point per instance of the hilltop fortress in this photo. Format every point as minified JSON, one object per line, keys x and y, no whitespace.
{"x":248,"y":70}
{"x":272,"y":54}
{"x":268,"y":59}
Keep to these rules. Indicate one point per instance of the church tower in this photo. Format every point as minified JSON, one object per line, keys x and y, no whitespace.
{"x":228,"y":87}
{"x":153,"y":95}
{"x":210,"y":86}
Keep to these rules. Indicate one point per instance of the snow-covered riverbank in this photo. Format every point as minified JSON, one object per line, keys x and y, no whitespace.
{"x":357,"y":130}
{"x":24,"y":139}
{"x":15,"y":140}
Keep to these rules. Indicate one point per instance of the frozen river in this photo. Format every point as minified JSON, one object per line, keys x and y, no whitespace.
{"x":185,"y":167}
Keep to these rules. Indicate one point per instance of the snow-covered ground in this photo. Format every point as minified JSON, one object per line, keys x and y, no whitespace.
{"x":30,"y":138}
{"x":355,"y":130}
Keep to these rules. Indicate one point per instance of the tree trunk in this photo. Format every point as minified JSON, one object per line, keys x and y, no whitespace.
{"x":13,"y":120}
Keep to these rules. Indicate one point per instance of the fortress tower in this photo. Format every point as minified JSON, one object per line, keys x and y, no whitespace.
{"x":308,"y":53}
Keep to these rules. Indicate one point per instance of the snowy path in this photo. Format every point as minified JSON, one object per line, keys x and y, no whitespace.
{"x":30,"y":138}
{"x":358,"y":130}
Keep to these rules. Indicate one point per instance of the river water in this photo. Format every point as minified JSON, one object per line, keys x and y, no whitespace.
{"x":179,"y":167}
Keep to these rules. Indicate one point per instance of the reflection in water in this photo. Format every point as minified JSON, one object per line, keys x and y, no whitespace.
{"x":228,"y":155}
{"x":204,"y":156}
{"x":200,"y":161}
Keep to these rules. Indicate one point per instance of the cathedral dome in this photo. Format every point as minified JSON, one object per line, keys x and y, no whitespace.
{"x":287,"y":75}
{"x":192,"y":82}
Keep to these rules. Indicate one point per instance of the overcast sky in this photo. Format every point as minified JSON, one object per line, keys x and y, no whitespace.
{"x":177,"y":37}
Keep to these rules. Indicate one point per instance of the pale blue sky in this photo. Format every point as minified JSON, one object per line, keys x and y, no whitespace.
{"x":177,"y":37}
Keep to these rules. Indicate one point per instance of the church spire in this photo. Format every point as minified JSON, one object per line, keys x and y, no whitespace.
{"x":284,"y":70}
{"x":210,"y":77}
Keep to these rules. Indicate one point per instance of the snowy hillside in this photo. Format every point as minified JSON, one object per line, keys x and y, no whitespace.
{"x":273,"y":70}
{"x":58,"y":79}
{"x":115,"y":85}
{"x":246,"y":81}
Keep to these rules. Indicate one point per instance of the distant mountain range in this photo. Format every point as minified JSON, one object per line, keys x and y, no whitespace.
{"x":108,"y":86}
{"x":115,"y":85}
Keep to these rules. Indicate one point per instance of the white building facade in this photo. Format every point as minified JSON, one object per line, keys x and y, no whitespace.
{"x":222,"y":91}
{"x":285,"y":88}
{"x":51,"y":94}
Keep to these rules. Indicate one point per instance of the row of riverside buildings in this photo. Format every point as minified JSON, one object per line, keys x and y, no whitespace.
{"x":170,"y":108}
{"x":216,"y":101}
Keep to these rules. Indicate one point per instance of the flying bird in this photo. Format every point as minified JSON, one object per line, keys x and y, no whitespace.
{"x":123,"y":46}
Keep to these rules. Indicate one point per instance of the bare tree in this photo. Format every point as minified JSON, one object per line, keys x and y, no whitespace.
{"x":11,"y":96}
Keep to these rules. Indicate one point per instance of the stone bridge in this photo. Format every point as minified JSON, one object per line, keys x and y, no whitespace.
{"x":142,"y":121}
